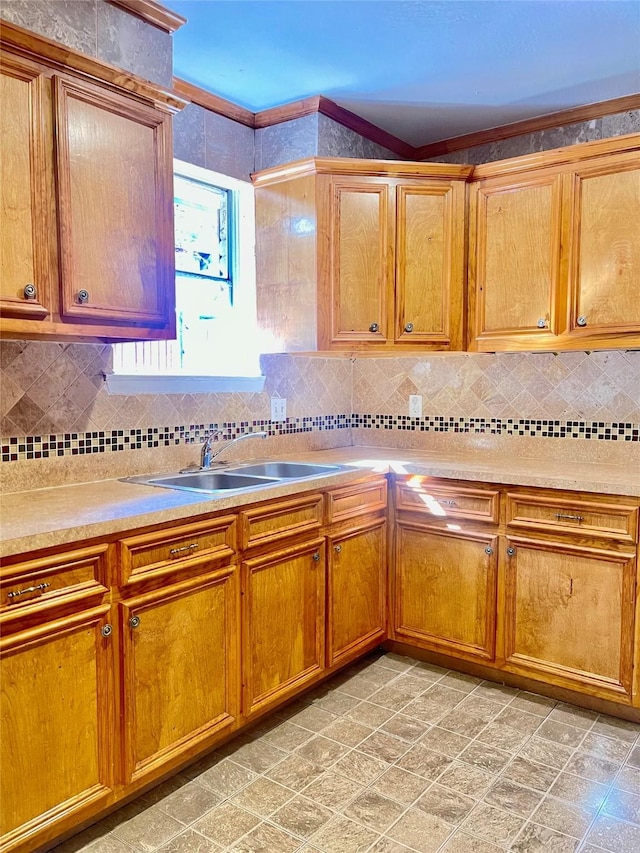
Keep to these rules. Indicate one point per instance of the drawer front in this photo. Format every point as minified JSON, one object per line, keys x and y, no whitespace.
{"x":568,"y":515}
{"x":282,"y":520}
{"x":163,"y":551}
{"x":358,"y":499}
{"x":443,"y":503}
{"x":81,"y":572}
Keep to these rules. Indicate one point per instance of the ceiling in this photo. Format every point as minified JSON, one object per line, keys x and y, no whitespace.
{"x":423,"y":71}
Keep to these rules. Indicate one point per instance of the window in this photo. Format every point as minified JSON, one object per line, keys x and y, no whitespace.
{"x":216,"y":346}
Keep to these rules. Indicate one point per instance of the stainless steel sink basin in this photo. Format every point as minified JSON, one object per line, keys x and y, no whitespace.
{"x":287,"y":470}
{"x":204,"y":481}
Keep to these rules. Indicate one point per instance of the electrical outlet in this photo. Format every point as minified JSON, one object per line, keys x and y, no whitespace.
{"x":278,"y":408}
{"x":415,"y":405}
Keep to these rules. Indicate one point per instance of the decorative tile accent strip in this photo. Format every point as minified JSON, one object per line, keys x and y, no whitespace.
{"x":105,"y":441}
{"x":503,"y":426}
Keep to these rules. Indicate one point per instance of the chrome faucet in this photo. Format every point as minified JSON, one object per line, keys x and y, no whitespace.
{"x":207,"y":455}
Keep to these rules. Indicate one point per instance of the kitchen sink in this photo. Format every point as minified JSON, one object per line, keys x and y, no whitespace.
{"x":287,"y":470}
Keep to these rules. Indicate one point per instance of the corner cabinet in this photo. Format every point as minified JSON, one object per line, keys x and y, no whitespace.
{"x":554,"y":249}
{"x":86,"y":197}
{"x":361,"y":255}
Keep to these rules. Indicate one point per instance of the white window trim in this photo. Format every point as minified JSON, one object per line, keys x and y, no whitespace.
{"x":244,"y":303}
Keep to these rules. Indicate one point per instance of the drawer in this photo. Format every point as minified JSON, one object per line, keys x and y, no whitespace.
{"x":566,"y":514}
{"x":443,"y":503}
{"x":79,"y":573}
{"x":358,"y":499}
{"x":164,"y":551}
{"x":282,"y":520}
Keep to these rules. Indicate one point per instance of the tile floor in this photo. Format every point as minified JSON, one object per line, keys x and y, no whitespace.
{"x":393,"y":756}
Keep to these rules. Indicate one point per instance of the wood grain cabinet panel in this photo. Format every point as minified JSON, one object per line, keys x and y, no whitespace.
{"x":56,"y":726}
{"x":445,"y":590}
{"x":569,"y":616}
{"x":180,"y":675}
{"x":283,"y":601}
{"x":356,"y":590}
{"x":362,"y":254}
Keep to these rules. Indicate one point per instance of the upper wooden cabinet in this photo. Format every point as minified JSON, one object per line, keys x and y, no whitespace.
{"x":86,"y":192}
{"x":361,"y":254}
{"x":554,"y":249}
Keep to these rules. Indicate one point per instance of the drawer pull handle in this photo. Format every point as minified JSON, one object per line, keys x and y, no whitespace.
{"x":560,"y":515}
{"x":183,"y":549}
{"x":40,"y":588}
{"x":447,"y":502}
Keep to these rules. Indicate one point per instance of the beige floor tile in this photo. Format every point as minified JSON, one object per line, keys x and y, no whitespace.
{"x":484,"y":709}
{"x":335,"y":702}
{"x":359,"y":767}
{"x":446,"y":804}
{"x":554,"y":730}
{"x":613,"y":727}
{"x":581,"y":718}
{"x":263,"y":796}
{"x":287,"y":736}
{"x":425,"y":708}
{"x":614,"y":835}
{"x":533,"y":704}
{"x":463,"y":723}
{"x":302,"y":816}
{"x":295,"y":772}
{"x":332,"y":790}
{"x":445,"y":742}
{"x":541,"y":839}
{"x":347,"y":732}
{"x":513,"y":798}
{"x":575,"y":789}
{"x":341,"y":835}
{"x":187,"y":842}
{"x":496,"y":692}
{"x":388,"y":845}
{"x":502,"y":736}
{"x":428,"y":670}
{"x":174,"y":783}
{"x":605,"y":747}
{"x":634,"y":757}
{"x":400,"y":785}
{"x":485,"y":757}
{"x":266,"y":838}
{"x":226,"y":824}
{"x":424,"y":762}
{"x":399,"y":663}
{"x":189,"y":802}
{"x":592,"y":767}
{"x":466,"y":779}
{"x":447,"y":698}
{"x":461,"y":842}
{"x":545,"y":752}
{"x":628,"y":779}
{"x":564,"y":817}
{"x":623,"y":805}
{"x":494,"y":825}
{"x":107,"y":844}
{"x":390,"y":697}
{"x":148,"y":830}
{"x":257,"y":756}
{"x":312,"y":718}
{"x":374,"y":810}
{"x":384,"y":746}
{"x":519,"y":720}
{"x":407,"y":728}
{"x":226,"y":777}
{"x":420,"y":831}
{"x":369,"y":715}
{"x":322,"y":751}
{"x":460,"y":681}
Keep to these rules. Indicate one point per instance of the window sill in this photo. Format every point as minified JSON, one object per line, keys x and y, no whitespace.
{"x":118,"y":383}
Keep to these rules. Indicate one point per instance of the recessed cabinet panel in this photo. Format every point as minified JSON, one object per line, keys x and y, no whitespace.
{"x":360,"y":258}
{"x":54,"y":722}
{"x":569,"y":616}
{"x":116,"y":216}
{"x":518,"y":257}
{"x":25,"y":278}
{"x":606,"y":255}
{"x":445,"y":590}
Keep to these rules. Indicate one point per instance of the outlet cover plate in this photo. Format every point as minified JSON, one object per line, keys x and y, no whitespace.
{"x":415,"y":405}
{"x":278,"y":408}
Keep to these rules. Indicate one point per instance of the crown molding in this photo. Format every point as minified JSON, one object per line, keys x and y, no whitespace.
{"x":530,"y":125}
{"x":153,"y":13}
{"x":214,"y":103}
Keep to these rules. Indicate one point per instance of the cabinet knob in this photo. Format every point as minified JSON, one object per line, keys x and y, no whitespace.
{"x":542,"y":323}
{"x":374,"y":327}
{"x":30,"y":291}
{"x":408,"y":327}
{"x":316,"y":557}
{"x":106,"y":630}
{"x":582,"y":320}
{"x":511,"y":551}
{"x":337,"y":548}
{"x":488,"y":550}
{"x":134,"y":621}
{"x":83,"y":296}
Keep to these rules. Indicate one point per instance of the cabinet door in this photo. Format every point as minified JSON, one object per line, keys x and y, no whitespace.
{"x":56,"y":726}
{"x":568,"y":616}
{"x":356,"y":591}
{"x":114,"y":170}
{"x":283,"y":623}
{"x":360,"y":261}
{"x":430,"y":265}
{"x":605,"y":249}
{"x":28,"y":228}
{"x":445,"y":590}
{"x":517,"y":276}
{"x":181,"y":669}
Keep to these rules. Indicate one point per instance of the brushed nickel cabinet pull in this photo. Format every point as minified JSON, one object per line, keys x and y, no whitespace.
{"x":183,"y":549}
{"x":560,"y":515}
{"x":447,"y":502}
{"x":40,"y":588}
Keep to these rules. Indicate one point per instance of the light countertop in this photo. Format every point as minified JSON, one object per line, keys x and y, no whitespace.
{"x":45,"y":518}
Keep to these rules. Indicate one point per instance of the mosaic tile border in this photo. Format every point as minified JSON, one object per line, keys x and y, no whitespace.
{"x":605,"y":431}
{"x":106,"y":441}
{"x":103,"y":441}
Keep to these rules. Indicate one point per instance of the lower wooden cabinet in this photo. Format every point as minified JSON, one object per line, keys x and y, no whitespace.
{"x":282,"y":623}
{"x":56,"y":718}
{"x":445,"y":590}
{"x":356,"y":590}
{"x":180,"y":680}
{"x":568,"y":615}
